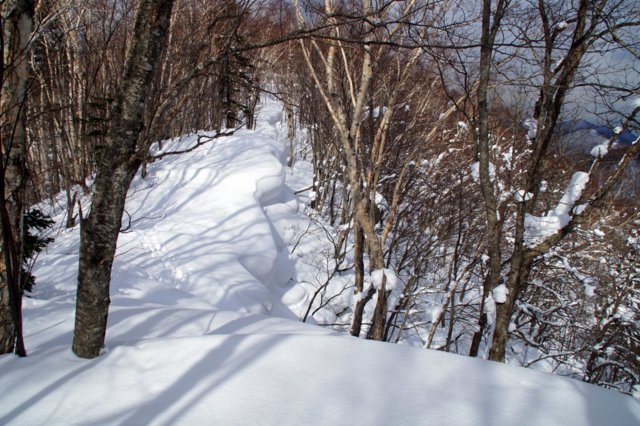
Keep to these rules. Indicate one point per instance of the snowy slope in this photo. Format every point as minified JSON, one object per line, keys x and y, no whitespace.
{"x":202,"y":327}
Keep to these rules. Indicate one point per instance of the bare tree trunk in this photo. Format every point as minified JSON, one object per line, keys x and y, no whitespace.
{"x":482,"y":322}
{"x":557,"y":81}
{"x":358,"y":311}
{"x":491,"y":21}
{"x":117,"y":162}
{"x":380,"y":314}
{"x":517,"y":279}
{"x":17,"y":23}
{"x":291,"y":133}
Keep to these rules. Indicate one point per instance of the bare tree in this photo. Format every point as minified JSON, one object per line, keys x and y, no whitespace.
{"x":117,"y":161}
{"x":17,"y":23}
{"x":167,"y":77}
{"x":566,"y":37}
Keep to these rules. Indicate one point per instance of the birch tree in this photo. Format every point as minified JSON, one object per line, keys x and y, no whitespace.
{"x":117,"y":161}
{"x":158,"y":87}
{"x":17,"y":23}
{"x":360,"y":81}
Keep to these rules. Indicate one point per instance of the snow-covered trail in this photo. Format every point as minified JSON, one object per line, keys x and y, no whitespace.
{"x":200,"y":246}
{"x":201,"y":329}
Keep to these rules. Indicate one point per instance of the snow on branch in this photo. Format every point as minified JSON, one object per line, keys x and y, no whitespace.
{"x":541,"y":233}
{"x":538,"y":228}
{"x":389,"y":276}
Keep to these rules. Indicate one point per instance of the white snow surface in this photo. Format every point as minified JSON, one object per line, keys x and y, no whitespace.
{"x":500,"y":293}
{"x":600,"y":150}
{"x":391,"y":281}
{"x":201,"y":329}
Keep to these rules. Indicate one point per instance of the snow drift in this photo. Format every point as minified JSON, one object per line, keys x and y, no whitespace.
{"x":202,"y":329}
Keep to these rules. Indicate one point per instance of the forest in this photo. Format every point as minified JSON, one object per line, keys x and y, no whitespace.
{"x":475,"y":164}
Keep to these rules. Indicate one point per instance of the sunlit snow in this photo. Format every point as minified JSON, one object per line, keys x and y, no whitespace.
{"x":204,"y":322}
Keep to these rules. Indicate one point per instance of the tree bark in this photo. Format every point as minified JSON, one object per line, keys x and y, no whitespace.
{"x":380,"y":314}
{"x":553,"y":90}
{"x":117,"y":162}
{"x":17,"y":23}
{"x":493,"y":228}
{"x":358,"y":311}
{"x":517,"y":280}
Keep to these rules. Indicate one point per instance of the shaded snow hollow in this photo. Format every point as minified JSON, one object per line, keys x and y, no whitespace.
{"x":201,"y":329}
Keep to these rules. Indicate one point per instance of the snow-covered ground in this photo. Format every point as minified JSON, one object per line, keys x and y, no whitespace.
{"x":203,"y":324}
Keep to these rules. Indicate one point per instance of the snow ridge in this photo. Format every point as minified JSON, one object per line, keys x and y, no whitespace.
{"x":201,"y":329}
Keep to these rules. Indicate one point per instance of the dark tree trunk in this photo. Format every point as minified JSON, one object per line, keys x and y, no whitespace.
{"x":17,"y":23}
{"x":491,"y":20}
{"x":521,"y":261}
{"x":548,"y":107}
{"x":99,"y":236}
{"x":117,"y":162}
{"x":482,"y":322}
{"x":380,"y":314}
{"x":356,"y":322}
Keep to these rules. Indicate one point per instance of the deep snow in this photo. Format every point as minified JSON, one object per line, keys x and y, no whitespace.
{"x":203,"y":324}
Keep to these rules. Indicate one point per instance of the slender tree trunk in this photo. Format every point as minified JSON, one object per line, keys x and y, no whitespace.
{"x":551,"y":98}
{"x":117,"y":162}
{"x":493,"y":234}
{"x":517,"y":280}
{"x":380,"y":314}
{"x":291,"y":133}
{"x":482,"y":322}
{"x":17,"y":23}
{"x":356,"y":322}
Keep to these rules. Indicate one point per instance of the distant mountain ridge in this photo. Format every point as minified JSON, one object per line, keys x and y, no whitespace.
{"x":579,"y":140}
{"x":624,"y":140}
